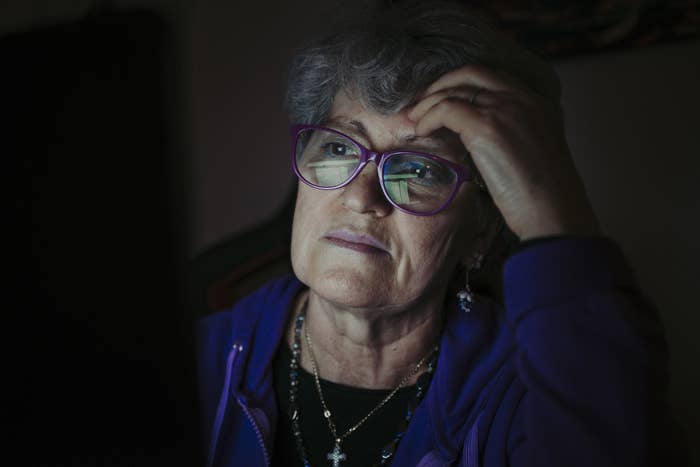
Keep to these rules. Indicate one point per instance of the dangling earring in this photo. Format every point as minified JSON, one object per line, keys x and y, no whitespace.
{"x":465,"y":297}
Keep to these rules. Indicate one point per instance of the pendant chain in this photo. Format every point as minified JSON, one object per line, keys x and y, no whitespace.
{"x":336,"y":455}
{"x":327,"y":412}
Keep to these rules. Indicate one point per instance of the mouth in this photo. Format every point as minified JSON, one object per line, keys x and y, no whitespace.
{"x":361,"y":242}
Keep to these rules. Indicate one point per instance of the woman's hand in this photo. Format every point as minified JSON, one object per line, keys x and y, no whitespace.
{"x":516,"y":140}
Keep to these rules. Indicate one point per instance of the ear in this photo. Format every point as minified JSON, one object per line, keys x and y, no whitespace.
{"x":491,"y":243}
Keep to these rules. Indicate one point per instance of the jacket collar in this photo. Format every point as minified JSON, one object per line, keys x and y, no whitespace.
{"x":474,"y":348}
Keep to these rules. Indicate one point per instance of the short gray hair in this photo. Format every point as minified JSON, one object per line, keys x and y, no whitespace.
{"x":388,"y":56}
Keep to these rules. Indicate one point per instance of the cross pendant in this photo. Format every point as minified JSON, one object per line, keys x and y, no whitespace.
{"x":336,"y":456}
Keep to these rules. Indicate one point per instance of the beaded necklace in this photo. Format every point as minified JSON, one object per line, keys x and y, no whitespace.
{"x":336,"y":455}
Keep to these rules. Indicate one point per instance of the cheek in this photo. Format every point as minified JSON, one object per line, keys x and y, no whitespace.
{"x":299,"y":243}
{"x":438,"y":243}
{"x":425,"y":243}
{"x":306,"y":229}
{"x":430,"y":244}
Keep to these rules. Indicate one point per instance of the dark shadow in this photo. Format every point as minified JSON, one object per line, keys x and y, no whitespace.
{"x":240,"y":263}
{"x":102,"y":370}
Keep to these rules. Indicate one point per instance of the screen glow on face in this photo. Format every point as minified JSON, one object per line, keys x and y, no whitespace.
{"x":414,"y":182}
{"x":328,"y":159}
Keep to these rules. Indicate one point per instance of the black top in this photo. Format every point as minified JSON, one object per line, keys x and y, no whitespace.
{"x":348,"y":405}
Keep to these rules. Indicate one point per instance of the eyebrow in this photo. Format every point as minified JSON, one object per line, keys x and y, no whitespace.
{"x":428,"y":144}
{"x":356,"y":125}
{"x":362,"y":130}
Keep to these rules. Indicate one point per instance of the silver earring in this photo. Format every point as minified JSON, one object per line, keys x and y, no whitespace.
{"x":465,"y":297}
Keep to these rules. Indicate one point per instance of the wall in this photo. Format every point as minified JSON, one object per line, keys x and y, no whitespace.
{"x":241,"y":51}
{"x":632,"y":123}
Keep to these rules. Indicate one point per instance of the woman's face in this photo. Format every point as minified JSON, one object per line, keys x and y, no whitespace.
{"x":351,"y":247}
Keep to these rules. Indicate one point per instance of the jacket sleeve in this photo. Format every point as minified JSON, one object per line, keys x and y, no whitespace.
{"x":592,"y":355}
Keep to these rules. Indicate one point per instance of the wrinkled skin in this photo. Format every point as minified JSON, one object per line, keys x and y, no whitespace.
{"x":516,"y":139}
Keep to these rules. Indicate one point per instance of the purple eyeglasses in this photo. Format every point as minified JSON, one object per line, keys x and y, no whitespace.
{"x":414,"y":182}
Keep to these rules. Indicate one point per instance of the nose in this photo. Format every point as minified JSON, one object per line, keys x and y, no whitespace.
{"x":364,"y":194}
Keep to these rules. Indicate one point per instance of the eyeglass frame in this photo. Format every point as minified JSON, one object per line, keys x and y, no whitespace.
{"x":464,"y":174}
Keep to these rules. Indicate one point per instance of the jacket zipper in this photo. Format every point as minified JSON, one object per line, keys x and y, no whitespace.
{"x":258,"y":433}
{"x":236,"y":349}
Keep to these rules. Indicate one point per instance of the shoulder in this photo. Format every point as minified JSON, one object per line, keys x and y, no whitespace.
{"x":255,"y":323}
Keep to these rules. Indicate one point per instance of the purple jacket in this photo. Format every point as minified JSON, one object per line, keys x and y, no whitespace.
{"x":571,"y":373}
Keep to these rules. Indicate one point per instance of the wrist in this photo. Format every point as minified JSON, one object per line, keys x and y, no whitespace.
{"x":577,"y":223}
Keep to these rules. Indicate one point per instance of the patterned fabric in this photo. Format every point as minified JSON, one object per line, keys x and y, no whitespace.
{"x":564,"y":28}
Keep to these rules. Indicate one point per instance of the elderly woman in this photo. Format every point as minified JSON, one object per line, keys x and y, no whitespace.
{"x":421,"y":140}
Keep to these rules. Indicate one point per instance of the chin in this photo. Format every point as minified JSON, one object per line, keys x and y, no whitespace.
{"x":347,"y":281}
{"x":349,"y":288}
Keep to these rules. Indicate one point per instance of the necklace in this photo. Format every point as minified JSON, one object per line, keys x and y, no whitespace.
{"x":336,"y":455}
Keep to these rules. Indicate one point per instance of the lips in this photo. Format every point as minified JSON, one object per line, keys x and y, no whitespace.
{"x":361,"y":242}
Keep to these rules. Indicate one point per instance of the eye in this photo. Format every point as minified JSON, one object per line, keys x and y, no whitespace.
{"x":424,"y":173}
{"x":418,"y":172}
{"x":337,"y":149}
{"x":421,"y":171}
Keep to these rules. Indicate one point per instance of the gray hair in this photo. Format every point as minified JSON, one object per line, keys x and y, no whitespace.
{"x":385,"y":58}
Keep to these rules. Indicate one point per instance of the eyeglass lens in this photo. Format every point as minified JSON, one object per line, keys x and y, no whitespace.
{"x":414,"y":182}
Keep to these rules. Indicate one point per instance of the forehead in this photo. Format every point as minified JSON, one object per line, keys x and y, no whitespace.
{"x":349,"y":111}
{"x":384,"y":132}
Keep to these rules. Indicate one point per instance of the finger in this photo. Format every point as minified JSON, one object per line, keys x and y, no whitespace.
{"x":469,"y":95}
{"x":479,"y":77}
{"x":454,"y":114}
